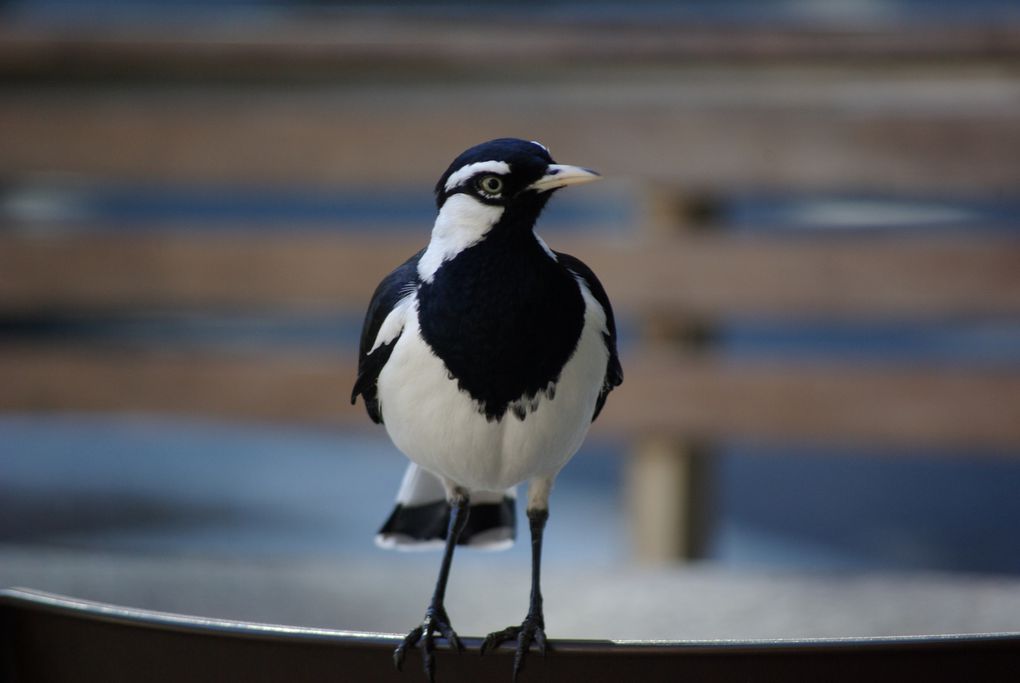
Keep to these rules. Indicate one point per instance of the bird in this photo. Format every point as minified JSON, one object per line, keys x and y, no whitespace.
{"x":486,"y":356}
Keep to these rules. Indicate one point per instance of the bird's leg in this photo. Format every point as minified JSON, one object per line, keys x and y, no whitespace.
{"x":532,"y":629}
{"x":436,"y":620}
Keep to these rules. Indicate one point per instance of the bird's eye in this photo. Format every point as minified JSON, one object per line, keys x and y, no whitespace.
{"x":490,"y":184}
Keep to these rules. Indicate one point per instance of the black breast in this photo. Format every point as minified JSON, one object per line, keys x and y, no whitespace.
{"x":504,"y":317}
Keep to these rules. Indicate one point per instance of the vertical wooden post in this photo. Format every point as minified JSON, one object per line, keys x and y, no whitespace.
{"x":666,"y":488}
{"x":667,"y":484}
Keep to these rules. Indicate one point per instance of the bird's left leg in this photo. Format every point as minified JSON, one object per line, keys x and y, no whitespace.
{"x":436,"y":620}
{"x":532,"y":629}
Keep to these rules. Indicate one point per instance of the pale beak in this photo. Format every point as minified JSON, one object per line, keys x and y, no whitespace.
{"x":561,"y":175}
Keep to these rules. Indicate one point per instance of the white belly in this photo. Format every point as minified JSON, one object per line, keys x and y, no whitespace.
{"x":440,"y":427}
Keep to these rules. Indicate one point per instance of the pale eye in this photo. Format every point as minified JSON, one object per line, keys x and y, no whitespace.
{"x":490,"y":184}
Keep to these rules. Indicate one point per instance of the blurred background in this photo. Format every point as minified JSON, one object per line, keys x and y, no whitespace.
{"x":809,"y":227}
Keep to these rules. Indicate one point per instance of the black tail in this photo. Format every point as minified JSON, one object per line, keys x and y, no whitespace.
{"x":422,"y":516}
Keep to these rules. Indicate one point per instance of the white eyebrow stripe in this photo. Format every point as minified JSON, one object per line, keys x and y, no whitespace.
{"x":462,"y":174}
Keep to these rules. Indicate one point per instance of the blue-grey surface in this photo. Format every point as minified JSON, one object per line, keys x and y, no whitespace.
{"x":844,"y":12}
{"x":275,"y":525}
{"x":69,"y":204}
{"x":837,"y":508}
{"x":157,"y":486}
{"x":491,"y":592}
{"x":143,"y":485}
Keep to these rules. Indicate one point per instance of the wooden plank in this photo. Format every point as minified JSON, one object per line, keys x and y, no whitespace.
{"x":703,"y":131}
{"x":662,"y":395}
{"x":706,"y":276}
{"x":329,"y":45}
{"x":304,"y":271}
{"x":304,"y":388}
{"x":711,"y":276}
{"x":827,"y":402}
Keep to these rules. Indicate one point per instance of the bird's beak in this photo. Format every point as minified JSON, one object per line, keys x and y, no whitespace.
{"x":561,"y":175}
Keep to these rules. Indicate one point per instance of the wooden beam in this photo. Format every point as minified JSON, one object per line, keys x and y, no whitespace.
{"x":713,"y":276}
{"x":903,"y":133}
{"x":329,"y":46}
{"x":663,"y":395}
{"x":104,"y":272}
{"x":708,"y":276}
{"x":303,"y":388}
{"x":825,"y":402}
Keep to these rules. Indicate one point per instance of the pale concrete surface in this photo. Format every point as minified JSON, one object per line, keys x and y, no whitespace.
{"x":389,"y":595}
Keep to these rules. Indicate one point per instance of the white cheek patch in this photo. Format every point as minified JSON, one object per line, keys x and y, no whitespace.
{"x":462,"y":222}
{"x":458,"y":177}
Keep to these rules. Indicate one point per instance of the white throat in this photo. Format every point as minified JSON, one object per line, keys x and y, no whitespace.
{"x":462,"y":222}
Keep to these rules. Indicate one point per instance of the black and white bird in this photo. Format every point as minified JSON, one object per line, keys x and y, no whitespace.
{"x":486,"y":355}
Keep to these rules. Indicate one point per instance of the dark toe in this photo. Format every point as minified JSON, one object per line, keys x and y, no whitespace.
{"x":436,"y":624}
{"x":531,"y":631}
{"x":410,"y":640}
{"x":497,"y":638}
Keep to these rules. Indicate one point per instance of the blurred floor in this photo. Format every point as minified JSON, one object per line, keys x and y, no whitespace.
{"x":489,"y":591}
{"x":141,"y":485}
{"x":160,"y":486}
{"x":275,"y":525}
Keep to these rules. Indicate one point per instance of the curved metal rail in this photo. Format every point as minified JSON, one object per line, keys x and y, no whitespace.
{"x":47,"y":637}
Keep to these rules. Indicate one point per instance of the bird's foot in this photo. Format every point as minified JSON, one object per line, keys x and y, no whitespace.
{"x":436,"y":622}
{"x":531,"y":630}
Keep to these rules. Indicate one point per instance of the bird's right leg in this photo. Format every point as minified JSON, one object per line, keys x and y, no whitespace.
{"x":532,"y":629}
{"x":436,"y":620}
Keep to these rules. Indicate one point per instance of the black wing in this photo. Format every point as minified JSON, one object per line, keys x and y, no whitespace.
{"x":393,"y":287}
{"x":614,"y":371}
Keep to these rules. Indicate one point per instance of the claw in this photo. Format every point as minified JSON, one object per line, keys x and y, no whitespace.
{"x":523,"y":643}
{"x":436,"y":622}
{"x":410,"y":640}
{"x":541,"y":641}
{"x":428,"y":656}
{"x":532,"y":630}
{"x":497,"y":638}
{"x":451,"y":636}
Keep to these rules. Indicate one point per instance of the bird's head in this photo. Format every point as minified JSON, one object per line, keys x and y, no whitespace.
{"x":507,"y":179}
